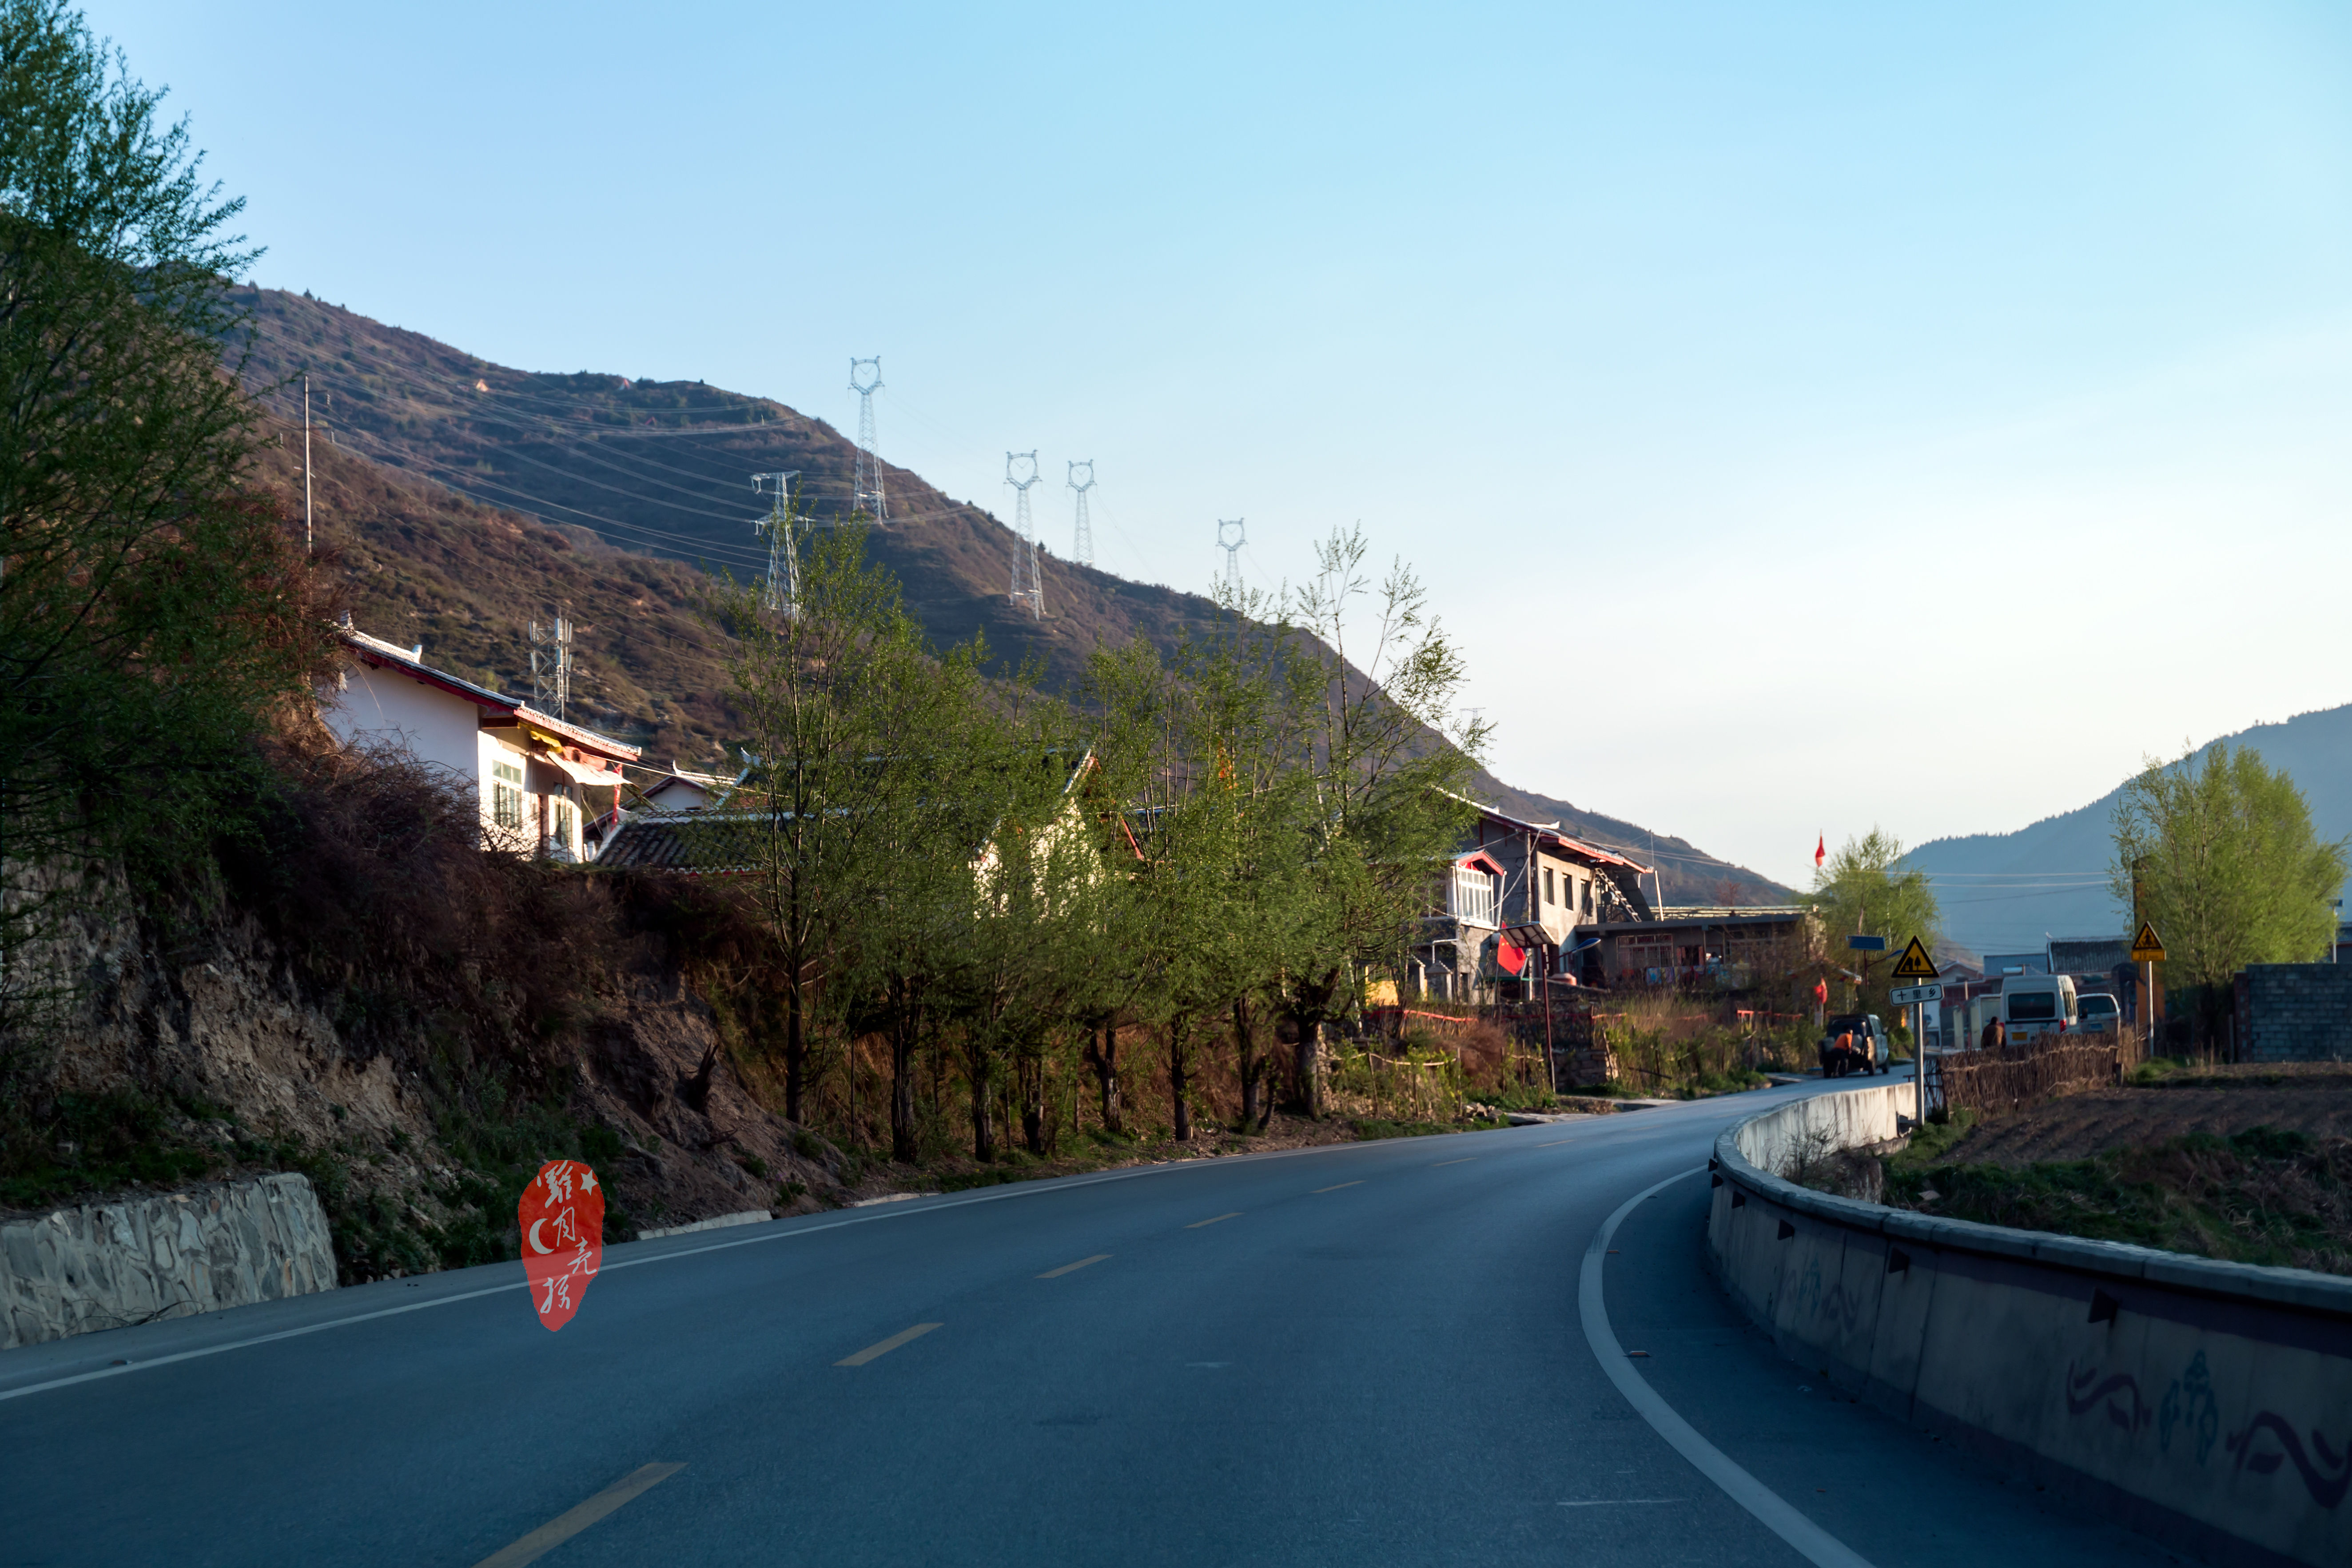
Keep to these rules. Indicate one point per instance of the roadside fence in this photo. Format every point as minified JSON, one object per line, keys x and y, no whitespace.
{"x":2017,"y":1076}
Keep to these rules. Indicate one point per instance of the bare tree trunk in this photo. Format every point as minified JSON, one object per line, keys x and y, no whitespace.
{"x":902,"y":1083}
{"x":983,"y":1127}
{"x":1312,"y":1077}
{"x":1033,"y":1100}
{"x":795,"y":1050}
{"x":1179,"y":1052}
{"x":1102,"y":1056}
{"x":1251,"y":1068}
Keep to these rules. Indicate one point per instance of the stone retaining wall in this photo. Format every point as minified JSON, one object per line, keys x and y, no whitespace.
{"x":2207,"y":1404}
{"x":105,"y":1266}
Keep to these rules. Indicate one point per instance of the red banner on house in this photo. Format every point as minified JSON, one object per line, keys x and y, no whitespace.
{"x":562,"y":1216}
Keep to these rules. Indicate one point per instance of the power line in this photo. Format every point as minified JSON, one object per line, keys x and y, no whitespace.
{"x":438,"y":473}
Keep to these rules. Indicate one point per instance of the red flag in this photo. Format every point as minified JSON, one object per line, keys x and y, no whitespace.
{"x":1509,"y":955}
{"x":562,"y":1219}
{"x":1821,"y":852}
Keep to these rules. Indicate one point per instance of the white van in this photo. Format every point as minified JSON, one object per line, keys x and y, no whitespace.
{"x":2033,"y":1004}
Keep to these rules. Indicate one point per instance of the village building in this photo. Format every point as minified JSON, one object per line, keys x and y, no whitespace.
{"x":1511,"y":902}
{"x":682,"y":790}
{"x":544,"y":788}
{"x":1731,"y":947}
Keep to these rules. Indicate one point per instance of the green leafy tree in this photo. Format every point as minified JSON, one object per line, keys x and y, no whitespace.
{"x":2226,"y":864}
{"x":1863,"y":890}
{"x":154,"y":619}
{"x":832,"y":693}
{"x":1385,"y":805}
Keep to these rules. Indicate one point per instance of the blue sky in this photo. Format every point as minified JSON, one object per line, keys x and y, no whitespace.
{"x":1809,"y":415}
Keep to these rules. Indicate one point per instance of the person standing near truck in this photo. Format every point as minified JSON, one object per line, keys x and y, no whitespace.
{"x":1993,"y":1035}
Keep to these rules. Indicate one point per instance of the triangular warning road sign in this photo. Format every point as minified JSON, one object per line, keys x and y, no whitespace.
{"x":2148,"y":947}
{"x":1915,"y":964}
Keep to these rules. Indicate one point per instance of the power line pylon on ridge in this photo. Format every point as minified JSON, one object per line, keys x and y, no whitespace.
{"x":1232,"y":548}
{"x":782,"y":590}
{"x":1028,"y":589}
{"x":866,"y":492}
{"x":1081,"y":544}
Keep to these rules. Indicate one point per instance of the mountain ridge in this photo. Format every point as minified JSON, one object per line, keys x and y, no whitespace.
{"x":2013,"y":889}
{"x":467,"y":498}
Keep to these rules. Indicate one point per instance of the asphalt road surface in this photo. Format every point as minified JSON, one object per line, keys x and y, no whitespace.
{"x":1366,"y":1353}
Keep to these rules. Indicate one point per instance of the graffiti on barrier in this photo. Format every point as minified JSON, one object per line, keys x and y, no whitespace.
{"x":2190,"y":1404}
{"x":2326,"y":1480}
{"x":2118,"y":1394}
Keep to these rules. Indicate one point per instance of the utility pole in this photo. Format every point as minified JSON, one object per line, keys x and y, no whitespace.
{"x":783,"y":587}
{"x":1082,"y":542}
{"x":1232,"y":548}
{"x":865,"y":494}
{"x":1028,"y":589}
{"x":306,"y":462}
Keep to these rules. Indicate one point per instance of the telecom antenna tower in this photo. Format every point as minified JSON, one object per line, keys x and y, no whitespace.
{"x":783,"y":586}
{"x":550,"y":666}
{"x":1081,"y":544}
{"x":1028,"y":589}
{"x":1232,"y":548}
{"x":866,"y":494}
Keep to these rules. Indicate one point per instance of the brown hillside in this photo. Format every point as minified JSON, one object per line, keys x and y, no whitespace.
{"x":612,"y":499}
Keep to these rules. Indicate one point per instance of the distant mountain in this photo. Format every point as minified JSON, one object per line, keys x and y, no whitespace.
{"x":2003,"y":892}
{"x":467,"y":499}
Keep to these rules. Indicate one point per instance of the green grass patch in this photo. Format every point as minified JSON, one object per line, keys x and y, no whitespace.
{"x":2262,"y":1196}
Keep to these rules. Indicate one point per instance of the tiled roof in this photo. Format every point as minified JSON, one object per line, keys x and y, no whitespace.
{"x":700,"y":843}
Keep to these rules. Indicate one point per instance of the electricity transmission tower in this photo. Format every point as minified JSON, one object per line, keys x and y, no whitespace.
{"x":1028,"y":590}
{"x":1232,"y":548}
{"x":866,"y":494}
{"x":1082,"y":544}
{"x":783,"y":587}
{"x":550,"y":666}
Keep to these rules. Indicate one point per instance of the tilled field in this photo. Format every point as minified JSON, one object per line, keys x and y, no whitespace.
{"x":2314,"y":1099}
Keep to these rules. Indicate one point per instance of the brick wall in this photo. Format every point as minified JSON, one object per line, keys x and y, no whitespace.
{"x":2295,"y":1012}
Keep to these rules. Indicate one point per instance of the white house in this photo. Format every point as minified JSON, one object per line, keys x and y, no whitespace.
{"x":544,"y":788}
{"x":680,"y":790}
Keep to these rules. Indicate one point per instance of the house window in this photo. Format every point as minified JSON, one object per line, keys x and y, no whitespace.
{"x":559,"y":821}
{"x":1473,"y":896}
{"x":505,"y":795}
{"x":1587,"y":885}
{"x":1548,"y":894}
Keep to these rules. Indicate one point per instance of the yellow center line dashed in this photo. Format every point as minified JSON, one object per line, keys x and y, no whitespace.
{"x":1073,"y":1268}
{"x":572,"y":1522}
{"x":1199,"y":1223}
{"x":884,"y":1347}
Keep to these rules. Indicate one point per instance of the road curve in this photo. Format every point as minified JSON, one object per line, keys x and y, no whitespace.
{"x":1362,"y":1353}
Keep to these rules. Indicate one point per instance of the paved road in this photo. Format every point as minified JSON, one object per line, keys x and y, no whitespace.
{"x":1370,"y":1354}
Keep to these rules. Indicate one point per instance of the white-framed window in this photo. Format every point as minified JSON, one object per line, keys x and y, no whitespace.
{"x":561,"y":814}
{"x":506,"y":793}
{"x":1548,"y":899}
{"x":1473,"y":896}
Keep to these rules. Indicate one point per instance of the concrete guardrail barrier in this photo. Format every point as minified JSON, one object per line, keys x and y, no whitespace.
{"x":2207,"y":1404}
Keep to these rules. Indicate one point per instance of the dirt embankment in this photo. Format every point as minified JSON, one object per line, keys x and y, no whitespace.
{"x":2247,"y":1165}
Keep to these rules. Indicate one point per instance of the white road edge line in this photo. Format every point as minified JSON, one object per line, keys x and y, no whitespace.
{"x":1775,"y":1512}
